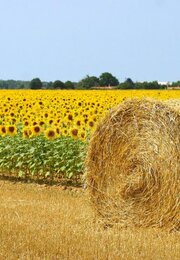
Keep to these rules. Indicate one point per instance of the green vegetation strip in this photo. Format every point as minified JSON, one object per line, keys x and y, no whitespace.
{"x":39,"y":158}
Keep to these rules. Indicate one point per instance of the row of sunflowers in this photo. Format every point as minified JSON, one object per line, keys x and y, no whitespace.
{"x":61,"y":113}
{"x":44,"y":134}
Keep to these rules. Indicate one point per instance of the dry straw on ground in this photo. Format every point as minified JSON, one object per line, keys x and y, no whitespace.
{"x":133,"y":165}
{"x":42,"y":222}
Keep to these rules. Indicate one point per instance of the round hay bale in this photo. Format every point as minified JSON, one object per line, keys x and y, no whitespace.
{"x":133,"y":165}
{"x":174,"y":104}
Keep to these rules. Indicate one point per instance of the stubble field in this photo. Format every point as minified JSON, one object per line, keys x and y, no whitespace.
{"x":41,"y":222}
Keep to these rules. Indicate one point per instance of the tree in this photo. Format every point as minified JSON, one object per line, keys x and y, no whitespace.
{"x":149,"y":85}
{"x":107,"y":79}
{"x":49,"y":85}
{"x":127,"y":84}
{"x":69,"y":84}
{"x":88,"y":82}
{"x":58,"y":85}
{"x":36,"y":84}
{"x":176,"y":84}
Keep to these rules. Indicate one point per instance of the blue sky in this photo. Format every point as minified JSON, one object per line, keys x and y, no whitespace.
{"x":68,"y":39}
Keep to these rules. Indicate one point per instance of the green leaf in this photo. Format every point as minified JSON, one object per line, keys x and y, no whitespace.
{"x":21,"y":173}
{"x":63,"y":168}
{"x":70,"y":175}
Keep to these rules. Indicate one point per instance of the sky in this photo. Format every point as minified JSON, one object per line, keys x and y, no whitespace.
{"x":69,"y":39}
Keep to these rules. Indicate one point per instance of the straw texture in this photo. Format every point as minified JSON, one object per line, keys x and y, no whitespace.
{"x":133,"y":165}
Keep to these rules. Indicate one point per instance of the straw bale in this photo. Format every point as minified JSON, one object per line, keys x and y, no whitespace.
{"x":133,"y":165}
{"x":173,"y":103}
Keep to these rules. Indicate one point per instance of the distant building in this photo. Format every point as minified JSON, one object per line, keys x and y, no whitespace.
{"x":173,"y":87}
{"x":165,"y":83}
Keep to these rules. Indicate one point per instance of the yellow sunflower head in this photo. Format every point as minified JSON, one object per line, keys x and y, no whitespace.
{"x":74,"y":133}
{"x":36,"y":130}
{"x":11,"y":130}
{"x":50,"y":133}
{"x":3,"y":130}
{"x":27,"y":132}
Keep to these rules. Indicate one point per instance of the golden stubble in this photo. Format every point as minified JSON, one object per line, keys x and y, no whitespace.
{"x":41,"y":222}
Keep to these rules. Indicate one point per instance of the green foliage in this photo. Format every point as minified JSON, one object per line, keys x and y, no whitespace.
{"x":107,"y":79}
{"x":69,"y":84}
{"x":40,"y":158}
{"x":149,"y":85}
{"x":14,"y":84}
{"x":176,"y":84}
{"x":88,"y":82}
{"x":129,"y":84}
{"x":58,"y":85}
{"x":36,"y":84}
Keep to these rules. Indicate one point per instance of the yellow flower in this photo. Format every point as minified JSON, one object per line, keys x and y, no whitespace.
{"x":65,"y":131}
{"x":74,"y":133}
{"x":91,"y":124}
{"x":11,"y":130}
{"x":58,"y":131}
{"x":82,"y":135}
{"x":50,"y":133}
{"x":26,"y":132}
{"x":36,"y":130}
{"x":3,"y":131}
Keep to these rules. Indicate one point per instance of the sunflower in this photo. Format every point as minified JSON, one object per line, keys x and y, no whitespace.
{"x":41,"y":123}
{"x":82,"y":135}
{"x":46,"y":115}
{"x":36,"y":130}
{"x":26,"y":123}
{"x":58,"y":131}
{"x":65,"y":132}
{"x":91,"y":123}
{"x":3,"y":131}
{"x":58,"y":120}
{"x":13,"y":120}
{"x":27,"y":132}
{"x":78,"y":122}
{"x":12,"y":114}
{"x":51,"y":121}
{"x":50,"y":133}
{"x":70,"y":117}
{"x":11,"y":130}
{"x":74,"y":133}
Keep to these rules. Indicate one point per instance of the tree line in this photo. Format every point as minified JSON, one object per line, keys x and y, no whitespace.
{"x":89,"y":82}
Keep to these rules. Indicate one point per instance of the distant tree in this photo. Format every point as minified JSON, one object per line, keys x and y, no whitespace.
{"x":144,"y":85}
{"x":49,"y":85}
{"x":176,"y":84}
{"x":69,"y":84}
{"x":127,"y":84}
{"x":12,"y":84}
{"x":88,"y":82}
{"x":107,"y":79}
{"x":36,"y":84}
{"x":151,"y":85}
{"x":58,"y":85}
{"x":21,"y":86}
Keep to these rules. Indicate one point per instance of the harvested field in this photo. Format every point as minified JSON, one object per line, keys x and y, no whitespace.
{"x":41,"y":222}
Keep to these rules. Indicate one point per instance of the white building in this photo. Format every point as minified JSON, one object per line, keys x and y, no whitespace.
{"x":167,"y":83}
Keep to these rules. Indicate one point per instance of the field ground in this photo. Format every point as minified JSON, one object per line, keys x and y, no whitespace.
{"x":51,"y":222}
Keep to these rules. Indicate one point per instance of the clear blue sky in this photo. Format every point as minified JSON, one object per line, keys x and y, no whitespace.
{"x":68,"y":39}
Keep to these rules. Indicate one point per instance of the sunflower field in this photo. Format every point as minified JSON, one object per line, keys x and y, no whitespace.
{"x":44,"y":134}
